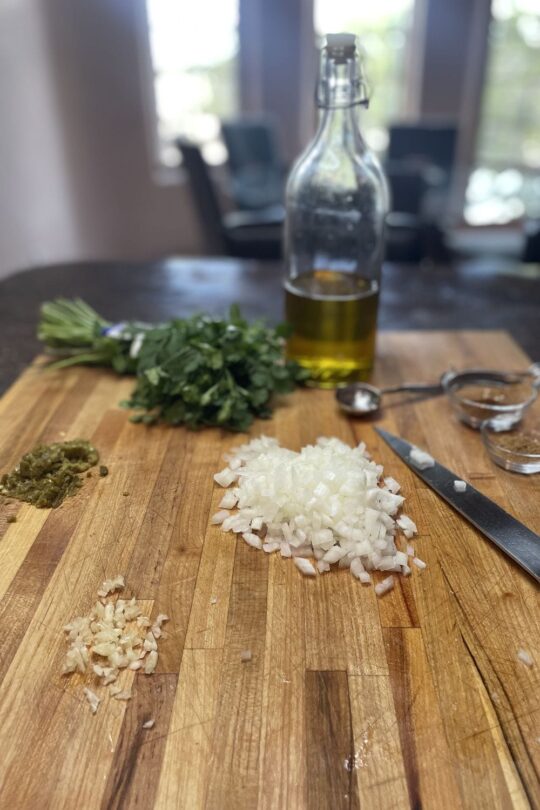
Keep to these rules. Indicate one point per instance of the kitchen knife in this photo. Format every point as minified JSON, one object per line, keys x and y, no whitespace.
{"x":511,"y":536}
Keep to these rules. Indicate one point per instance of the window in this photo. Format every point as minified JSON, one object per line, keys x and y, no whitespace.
{"x":194,"y":50}
{"x":383,"y":27}
{"x":505,"y":184}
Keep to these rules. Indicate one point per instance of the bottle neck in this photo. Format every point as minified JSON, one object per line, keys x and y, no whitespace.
{"x":341,"y":91}
{"x":339,"y":126}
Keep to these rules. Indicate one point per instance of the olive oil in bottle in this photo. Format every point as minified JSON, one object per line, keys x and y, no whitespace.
{"x":336,"y":204}
{"x":334,"y":318}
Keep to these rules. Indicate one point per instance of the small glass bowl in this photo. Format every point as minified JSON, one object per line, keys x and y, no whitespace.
{"x":498,"y":442}
{"x":474,"y":412}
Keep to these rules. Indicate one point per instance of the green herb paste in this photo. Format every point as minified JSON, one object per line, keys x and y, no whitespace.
{"x":49,"y":473}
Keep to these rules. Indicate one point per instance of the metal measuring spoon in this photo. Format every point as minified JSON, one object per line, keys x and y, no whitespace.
{"x":361,"y":399}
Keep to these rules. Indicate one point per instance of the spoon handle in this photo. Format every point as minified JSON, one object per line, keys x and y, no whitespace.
{"x":426,"y":388}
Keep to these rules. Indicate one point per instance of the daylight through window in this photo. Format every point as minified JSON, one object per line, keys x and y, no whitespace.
{"x":505,"y":184}
{"x":194,"y":58}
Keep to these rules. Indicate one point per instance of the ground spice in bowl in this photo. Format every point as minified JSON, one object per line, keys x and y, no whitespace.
{"x":517,"y":450}
{"x":494,"y":395}
{"x":526,"y":443}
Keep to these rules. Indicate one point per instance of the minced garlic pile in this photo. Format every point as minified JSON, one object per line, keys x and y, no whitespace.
{"x":114,"y":636}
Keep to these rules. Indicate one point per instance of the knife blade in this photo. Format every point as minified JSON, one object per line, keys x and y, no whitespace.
{"x":511,"y":536}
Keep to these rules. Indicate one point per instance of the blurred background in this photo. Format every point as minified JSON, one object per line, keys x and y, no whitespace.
{"x":135,"y":129}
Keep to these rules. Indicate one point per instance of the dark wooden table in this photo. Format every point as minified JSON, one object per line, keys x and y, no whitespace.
{"x":486,"y":294}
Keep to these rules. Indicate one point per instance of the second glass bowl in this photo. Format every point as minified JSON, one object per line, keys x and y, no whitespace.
{"x":517,"y":449}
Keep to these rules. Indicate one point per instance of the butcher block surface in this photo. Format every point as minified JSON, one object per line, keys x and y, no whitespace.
{"x":416,"y":699}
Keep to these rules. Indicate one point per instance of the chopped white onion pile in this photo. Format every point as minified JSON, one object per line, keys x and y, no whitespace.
{"x":421,"y":459}
{"x":460,"y":486}
{"x":114,"y":636}
{"x":326,"y":502}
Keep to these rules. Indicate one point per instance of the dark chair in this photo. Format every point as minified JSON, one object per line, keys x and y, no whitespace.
{"x":254,"y":163}
{"x":419,"y":166}
{"x":427,"y":151}
{"x":531,"y":251}
{"x":424,"y":144}
{"x":251,"y":235}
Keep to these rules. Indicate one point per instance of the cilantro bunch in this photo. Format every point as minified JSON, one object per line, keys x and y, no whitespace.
{"x":198,"y":371}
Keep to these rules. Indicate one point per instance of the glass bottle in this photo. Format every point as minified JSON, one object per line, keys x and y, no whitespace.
{"x":336,"y":204}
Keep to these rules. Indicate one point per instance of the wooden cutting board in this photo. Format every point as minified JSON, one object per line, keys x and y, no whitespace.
{"x":349,"y":701}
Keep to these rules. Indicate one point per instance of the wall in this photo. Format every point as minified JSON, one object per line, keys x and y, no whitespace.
{"x":76,"y":174}
{"x":34,"y":187}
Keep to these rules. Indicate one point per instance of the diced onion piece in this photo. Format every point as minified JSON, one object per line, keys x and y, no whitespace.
{"x":124,"y":694}
{"x":226,"y":477}
{"x":219,"y":517}
{"x":305,"y":566}
{"x":420,"y":459}
{"x":387,"y":563}
{"x":92,"y":699}
{"x":334,"y":554}
{"x":383,"y":587}
{"x":357,"y":568}
{"x":302,"y":551}
{"x":407,"y":525}
{"x":150,"y":662}
{"x":400,"y":558}
{"x":228,"y":501}
{"x":252,"y":539}
{"x":115,"y":584}
{"x":460,"y":486}
{"x":419,"y":563}
{"x":392,"y":485}
{"x":525,"y":657}
{"x":149,"y":642}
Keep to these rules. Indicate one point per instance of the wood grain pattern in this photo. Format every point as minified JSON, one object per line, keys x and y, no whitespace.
{"x":330,"y":753}
{"x":416,"y":700}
